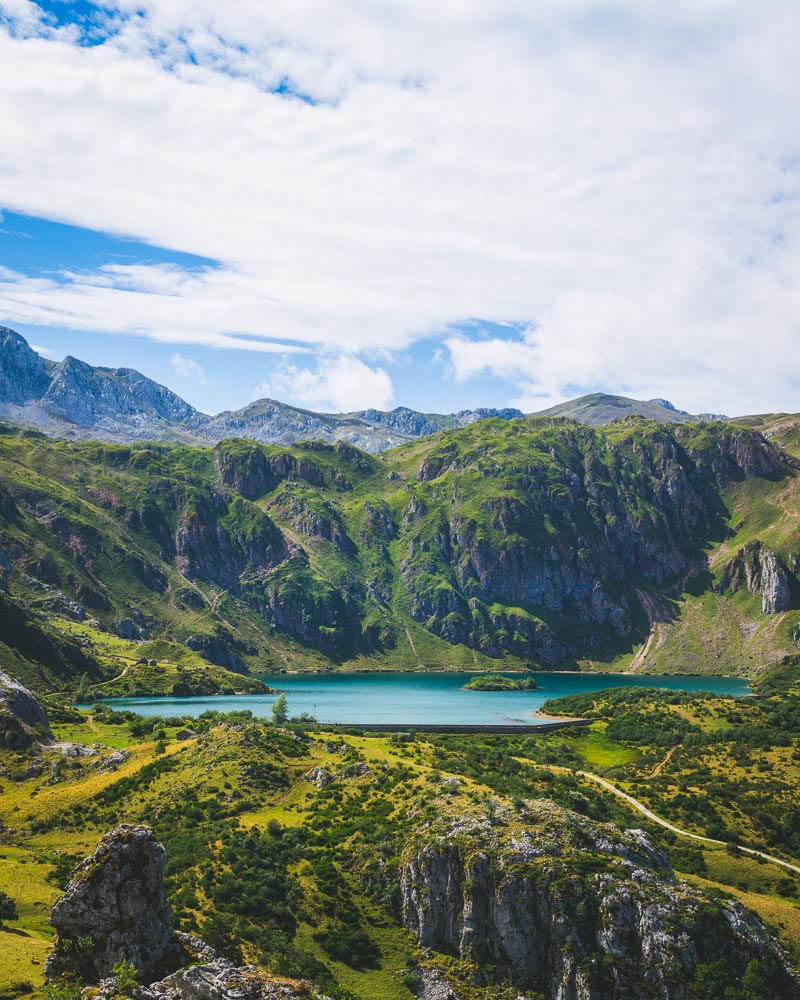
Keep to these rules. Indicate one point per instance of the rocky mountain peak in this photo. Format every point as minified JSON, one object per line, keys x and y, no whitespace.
{"x":23,"y":374}
{"x":75,"y":399}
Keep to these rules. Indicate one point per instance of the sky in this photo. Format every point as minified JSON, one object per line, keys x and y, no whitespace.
{"x":394,"y":202}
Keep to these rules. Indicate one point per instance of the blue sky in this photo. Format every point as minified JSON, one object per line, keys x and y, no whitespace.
{"x":396,"y":204}
{"x":211,"y":378}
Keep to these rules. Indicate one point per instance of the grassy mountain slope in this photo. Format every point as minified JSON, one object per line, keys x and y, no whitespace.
{"x":527,"y":542}
{"x":599,"y":408}
{"x":273,"y":864}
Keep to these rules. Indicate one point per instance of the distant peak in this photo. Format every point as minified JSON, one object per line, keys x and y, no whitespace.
{"x":9,"y":337}
{"x":665,"y":404}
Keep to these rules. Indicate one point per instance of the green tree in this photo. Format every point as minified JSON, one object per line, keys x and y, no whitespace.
{"x":280,"y":713}
{"x":124,"y":973}
{"x":8,"y":908}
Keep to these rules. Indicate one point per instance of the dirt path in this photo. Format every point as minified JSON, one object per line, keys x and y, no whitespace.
{"x":660,"y":766}
{"x":676,"y":829}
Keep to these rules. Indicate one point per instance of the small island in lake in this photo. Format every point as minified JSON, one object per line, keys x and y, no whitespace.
{"x":497,"y":682}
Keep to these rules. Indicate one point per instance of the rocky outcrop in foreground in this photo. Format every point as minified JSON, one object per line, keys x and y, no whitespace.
{"x":115,"y":909}
{"x":575,"y":909}
{"x":218,"y":980}
{"x":23,"y":721}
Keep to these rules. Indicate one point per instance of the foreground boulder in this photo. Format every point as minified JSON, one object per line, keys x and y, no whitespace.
{"x":23,"y":721}
{"x":218,"y":980}
{"x":576,"y":909}
{"x":115,"y":909}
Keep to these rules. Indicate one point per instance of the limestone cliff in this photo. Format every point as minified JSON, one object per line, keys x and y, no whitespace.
{"x":115,"y":909}
{"x":760,"y":570}
{"x":575,"y":909}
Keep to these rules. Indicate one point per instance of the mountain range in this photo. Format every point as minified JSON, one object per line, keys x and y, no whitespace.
{"x":72,"y":399}
{"x":532,"y":542}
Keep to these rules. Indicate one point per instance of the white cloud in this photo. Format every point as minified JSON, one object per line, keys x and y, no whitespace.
{"x":188,"y":370}
{"x":164,"y":303}
{"x":625,"y":178}
{"x":48,"y":352}
{"x":337,"y":385}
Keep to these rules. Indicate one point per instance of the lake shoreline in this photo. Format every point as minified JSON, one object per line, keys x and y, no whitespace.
{"x":422,"y":671}
{"x":420,"y":698}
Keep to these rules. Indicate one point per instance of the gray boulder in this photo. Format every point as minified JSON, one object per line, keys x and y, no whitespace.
{"x":23,"y":721}
{"x":126,"y":629}
{"x":116,"y":901}
{"x":221,"y":980}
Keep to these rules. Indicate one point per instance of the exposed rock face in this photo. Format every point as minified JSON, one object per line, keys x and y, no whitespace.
{"x":209,"y":549}
{"x":759,"y":569}
{"x":23,"y":721}
{"x":555,"y":902}
{"x":221,"y":980}
{"x":116,"y":899}
{"x":776,"y":594}
{"x":23,"y":373}
{"x":115,"y":909}
{"x":219,"y":649}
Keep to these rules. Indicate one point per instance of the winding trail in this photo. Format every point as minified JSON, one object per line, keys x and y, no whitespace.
{"x":661,"y":764}
{"x":676,"y":829}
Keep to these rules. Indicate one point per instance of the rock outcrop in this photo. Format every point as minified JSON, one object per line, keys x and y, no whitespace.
{"x":115,"y":909}
{"x":5,"y":570}
{"x":574,"y":909}
{"x":23,"y":721}
{"x":760,"y":570}
{"x":220,"y":980}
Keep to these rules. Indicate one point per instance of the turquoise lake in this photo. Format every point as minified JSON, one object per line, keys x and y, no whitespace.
{"x":417,"y":699}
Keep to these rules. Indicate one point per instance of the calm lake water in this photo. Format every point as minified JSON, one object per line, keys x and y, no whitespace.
{"x":415,"y":699}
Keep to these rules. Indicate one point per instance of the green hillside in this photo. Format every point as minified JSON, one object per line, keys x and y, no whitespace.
{"x":522,"y":543}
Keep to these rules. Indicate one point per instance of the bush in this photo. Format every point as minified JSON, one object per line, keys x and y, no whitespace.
{"x":8,"y":908}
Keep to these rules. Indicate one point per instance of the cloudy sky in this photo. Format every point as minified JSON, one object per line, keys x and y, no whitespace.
{"x":375,"y":203}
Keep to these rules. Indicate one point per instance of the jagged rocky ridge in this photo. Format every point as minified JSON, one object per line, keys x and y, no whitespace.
{"x":75,"y":400}
{"x":572,"y":908}
{"x":545,"y":540}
